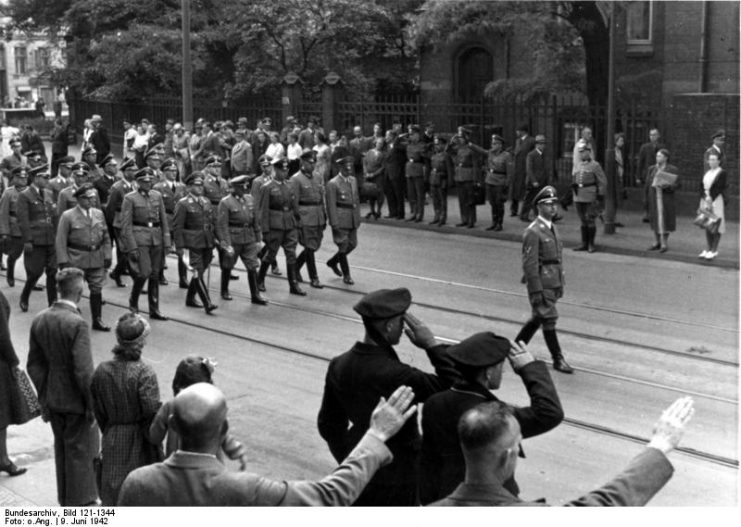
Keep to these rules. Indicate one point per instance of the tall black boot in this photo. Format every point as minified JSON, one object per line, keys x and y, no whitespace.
{"x":311,"y":265}
{"x":96,"y":308}
{"x":136,"y":290}
{"x":202,"y":291}
{"x":190,"y":297}
{"x":254,"y":291}
{"x":333,"y":262}
{"x":527,"y":331}
{"x":51,"y":287}
{"x":26,"y":293}
{"x":345,"y":266}
{"x":261,"y":275}
{"x":584,"y":239}
{"x":225,"y":274}
{"x":153,"y":294}
{"x":300,"y":261}
{"x":591,"y":233}
{"x":10,"y":275}
{"x":294,"y":288}
{"x":559,"y":363}
{"x":182,"y":273}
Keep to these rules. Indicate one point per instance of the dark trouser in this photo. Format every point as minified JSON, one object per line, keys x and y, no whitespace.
{"x":14,"y":249}
{"x":121,"y":261}
{"x":465,"y":202}
{"x":395,"y":194}
{"x":416,"y":193}
{"x":527,"y":202}
{"x":277,"y":239}
{"x":55,"y":158}
{"x":496,"y":196}
{"x":76,"y":443}
{"x":377,"y":202}
{"x":394,"y":485}
{"x":514,"y":206}
{"x":42,"y":258}
{"x":440,"y":201}
{"x":544,"y":315}
{"x":586,"y":213}
{"x":148,"y":264}
{"x":200,"y":259}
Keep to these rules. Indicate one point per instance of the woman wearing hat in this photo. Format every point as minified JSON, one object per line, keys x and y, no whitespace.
{"x":126,"y":398}
{"x":661,"y":182}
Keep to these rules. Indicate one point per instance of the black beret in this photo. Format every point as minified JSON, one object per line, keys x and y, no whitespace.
{"x":83,"y":189}
{"x":384,"y":303}
{"x":480,"y":350}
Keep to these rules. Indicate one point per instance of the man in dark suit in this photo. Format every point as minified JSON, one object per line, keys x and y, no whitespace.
{"x":490,"y":437}
{"x":717,"y":148}
{"x":59,"y":144}
{"x":480,"y":360}
{"x":523,"y":145}
{"x":193,"y":476}
{"x":60,"y":365}
{"x":537,"y":176}
{"x":370,"y":370}
{"x":37,"y":219}
{"x":343,"y":212}
{"x":646,"y":159}
{"x":99,"y":139}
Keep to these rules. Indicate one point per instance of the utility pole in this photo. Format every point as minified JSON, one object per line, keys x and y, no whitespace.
{"x":187,"y":69}
{"x":610,"y":165}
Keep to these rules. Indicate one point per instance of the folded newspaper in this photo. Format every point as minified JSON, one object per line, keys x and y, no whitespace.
{"x":664,"y":179}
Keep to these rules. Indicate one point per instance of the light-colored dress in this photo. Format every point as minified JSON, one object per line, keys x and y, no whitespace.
{"x":323,"y":161}
{"x":707,"y":182}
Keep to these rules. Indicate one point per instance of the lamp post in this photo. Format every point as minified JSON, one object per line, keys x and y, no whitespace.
{"x":610,"y":165}
{"x":187,"y":71}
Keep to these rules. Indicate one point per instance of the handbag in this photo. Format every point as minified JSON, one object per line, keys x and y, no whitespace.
{"x":706,"y":219}
{"x":479,"y":194}
{"x":369,"y":190}
{"x":24,"y":405}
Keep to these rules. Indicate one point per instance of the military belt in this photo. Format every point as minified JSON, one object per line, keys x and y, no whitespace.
{"x":240,"y":224}
{"x":346,"y":205}
{"x":86,"y":248}
{"x":583,"y":185}
{"x":550,"y":262}
{"x":309,"y":203}
{"x":414,"y":161}
{"x":146,"y":224}
{"x":282,"y":209}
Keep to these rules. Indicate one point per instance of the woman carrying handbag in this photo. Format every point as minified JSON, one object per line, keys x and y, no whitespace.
{"x":713,"y":191}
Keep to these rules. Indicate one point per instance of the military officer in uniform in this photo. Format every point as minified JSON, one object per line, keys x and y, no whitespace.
{"x":255,"y":189}
{"x":499,"y":172}
{"x":194,"y":223}
{"x":417,"y":153}
{"x":441,"y":178}
{"x":343,"y":210}
{"x":543,"y":274}
{"x":279,"y":218}
{"x":66,"y":199}
{"x":145,"y":236}
{"x":463,"y":159}
{"x":104,"y":183}
{"x":239,"y":232}
{"x":172,"y":191}
{"x":88,"y":158}
{"x":83,"y":242}
{"x":215,"y":187}
{"x":153,"y":160}
{"x":113,"y":215}
{"x":37,"y":220}
{"x":313,"y":214}
{"x":63,"y":178}
{"x":588,"y":186}
{"x":10,"y":233}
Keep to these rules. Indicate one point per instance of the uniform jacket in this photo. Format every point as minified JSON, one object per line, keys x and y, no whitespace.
{"x":442,"y":464}
{"x":242,"y":158}
{"x":170,"y":196}
{"x":67,"y":200}
{"x":12,"y":161}
{"x":500,"y":168}
{"x":185,"y":479}
{"x":441,"y":169}
{"x":137,"y":213}
{"x":522,"y":148}
{"x":464,"y":159}
{"x":541,"y":257}
{"x":646,"y":474}
{"x":59,"y":360}
{"x":417,"y":156}
{"x":9,"y":213}
{"x":343,"y":203}
{"x":115,"y":201}
{"x":215,"y":189}
{"x":238,"y":221}
{"x":37,"y":216}
{"x":278,"y":206}
{"x":311,"y":203}
{"x":194,"y":223}
{"x":536,"y":170}
{"x":56,"y":185}
{"x":354,"y":383}
{"x":76,"y":229}
{"x":588,"y":182}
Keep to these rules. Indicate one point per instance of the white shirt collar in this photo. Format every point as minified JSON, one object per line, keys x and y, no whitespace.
{"x":68,"y":302}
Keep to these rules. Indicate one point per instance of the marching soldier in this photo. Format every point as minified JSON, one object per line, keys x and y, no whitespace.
{"x":145,"y":237}
{"x":64,"y":177}
{"x":543,"y":274}
{"x":215,"y":188}
{"x":14,"y":160}
{"x":37,"y":220}
{"x":113,"y":215}
{"x":193,"y":226}
{"x":279,"y":218}
{"x":66,"y":199}
{"x":239,"y":233}
{"x":343,"y":210}
{"x":588,"y":186}
{"x":172,"y":191}
{"x":313,"y":214}
{"x":104,"y":183}
{"x":257,"y":184}
{"x":10,"y":232}
{"x":83,"y":242}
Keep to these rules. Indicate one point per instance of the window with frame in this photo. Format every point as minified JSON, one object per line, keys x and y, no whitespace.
{"x":20,"y":60}
{"x":639,"y":18}
{"x":42,"y":59}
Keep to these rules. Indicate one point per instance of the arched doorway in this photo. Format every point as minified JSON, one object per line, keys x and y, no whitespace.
{"x":475,"y":70}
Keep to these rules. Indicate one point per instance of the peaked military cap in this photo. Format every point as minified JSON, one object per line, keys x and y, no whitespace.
{"x":41,"y":170}
{"x":307,"y":153}
{"x":384,"y":303}
{"x":145,"y":173}
{"x":128,"y":163}
{"x":195,"y":178}
{"x":21,"y":171}
{"x":264,"y":160}
{"x":83,"y":189}
{"x":718,"y":133}
{"x":108,"y":159}
{"x":346,"y":159}
{"x":67,"y":161}
{"x":239,"y":181}
{"x":80,"y":167}
{"x":169,"y":164}
{"x":547,"y":193}
{"x":31,"y":153}
{"x":279,"y":161}
{"x":213,"y":160}
{"x":152,"y":152}
{"x":540,"y":138}
{"x":89,"y":150}
{"x":498,"y":138}
{"x":480,"y":350}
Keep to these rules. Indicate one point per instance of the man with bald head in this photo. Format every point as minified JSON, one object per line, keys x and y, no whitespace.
{"x":194,"y":476}
{"x":490,"y":437}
